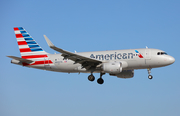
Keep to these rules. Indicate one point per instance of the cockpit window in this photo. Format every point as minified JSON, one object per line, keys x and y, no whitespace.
{"x":161,"y":53}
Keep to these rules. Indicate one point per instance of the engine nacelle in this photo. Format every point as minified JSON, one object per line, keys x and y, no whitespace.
{"x":112,"y":67}
{"x":126,"y":74}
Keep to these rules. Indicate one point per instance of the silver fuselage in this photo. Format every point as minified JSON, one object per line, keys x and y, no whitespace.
{"x":129,"y":59}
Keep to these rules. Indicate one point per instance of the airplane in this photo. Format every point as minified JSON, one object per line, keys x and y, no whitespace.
{"x":120,"y":63}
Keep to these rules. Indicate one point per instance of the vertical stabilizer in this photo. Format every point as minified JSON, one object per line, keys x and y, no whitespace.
{"x":28,"y":47}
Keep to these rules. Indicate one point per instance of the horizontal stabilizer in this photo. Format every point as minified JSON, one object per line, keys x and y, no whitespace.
{"x":21,"y":59}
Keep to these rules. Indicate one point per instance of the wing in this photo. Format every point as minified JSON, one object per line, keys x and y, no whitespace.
{"x":85,"y":61}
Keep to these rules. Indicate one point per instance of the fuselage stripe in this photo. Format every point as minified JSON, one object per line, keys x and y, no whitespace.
{"x":39,"y":62}
{"x":34,"y":56}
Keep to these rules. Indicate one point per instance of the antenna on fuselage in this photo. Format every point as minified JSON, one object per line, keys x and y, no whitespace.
{"x":146,"y":47}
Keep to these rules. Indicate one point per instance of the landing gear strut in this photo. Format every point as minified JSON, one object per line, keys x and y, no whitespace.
{"x":149,"y":72}
{"x":100,"y":80}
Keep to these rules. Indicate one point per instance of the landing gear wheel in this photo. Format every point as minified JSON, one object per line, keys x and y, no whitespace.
{"x":100,"y":81}
{"x":150,"y":76}
{"x":91,"y":78}
{"x":149,"y":72}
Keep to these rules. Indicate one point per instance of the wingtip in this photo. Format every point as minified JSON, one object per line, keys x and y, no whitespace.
{"x":9,"y":56}
{"x":50,"y":44}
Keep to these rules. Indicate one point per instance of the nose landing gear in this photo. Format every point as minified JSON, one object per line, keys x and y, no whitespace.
{"x":149,"y":72}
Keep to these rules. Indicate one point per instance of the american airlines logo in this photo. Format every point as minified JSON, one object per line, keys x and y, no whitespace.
{"x":116,"y":56}
{"x":113,"y":56}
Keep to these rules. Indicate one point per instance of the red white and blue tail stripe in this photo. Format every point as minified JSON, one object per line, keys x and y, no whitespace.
{"x":29,"y":48}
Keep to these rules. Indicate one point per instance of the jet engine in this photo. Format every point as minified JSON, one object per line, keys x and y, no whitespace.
{"x":112,"y":67}
{"x":124,"y":74}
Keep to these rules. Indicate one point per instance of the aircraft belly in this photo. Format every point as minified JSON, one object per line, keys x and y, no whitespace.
{"x":67,"y":67}
{"x":157,"y":61}
{"x":136,"y":64}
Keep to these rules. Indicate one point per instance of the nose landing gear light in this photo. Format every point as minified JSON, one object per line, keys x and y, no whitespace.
{"x":150,"y":76}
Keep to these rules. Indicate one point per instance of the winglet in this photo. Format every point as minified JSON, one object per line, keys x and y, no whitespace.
{"x":50,"y":44}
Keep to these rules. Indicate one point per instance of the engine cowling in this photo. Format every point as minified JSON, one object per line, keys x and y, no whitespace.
{"x":126,"y":74}
{"x":112,"y":67}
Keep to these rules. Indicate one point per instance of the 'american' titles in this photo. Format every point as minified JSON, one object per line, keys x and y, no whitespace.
{"x":115,"y":56}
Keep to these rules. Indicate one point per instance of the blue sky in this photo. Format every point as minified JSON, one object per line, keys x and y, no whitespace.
{"x":92,"y":25}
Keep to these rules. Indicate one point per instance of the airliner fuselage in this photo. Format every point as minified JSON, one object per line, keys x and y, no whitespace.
{"x":129,"y":58}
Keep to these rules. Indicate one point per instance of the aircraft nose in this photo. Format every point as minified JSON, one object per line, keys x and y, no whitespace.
{"x":171,"y":60}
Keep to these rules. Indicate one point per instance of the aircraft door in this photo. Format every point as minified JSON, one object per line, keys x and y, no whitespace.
{"x":46,"y":64}
{"x":147,"y":56}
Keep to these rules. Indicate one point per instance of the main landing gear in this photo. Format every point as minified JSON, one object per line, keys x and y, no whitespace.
{"x":149,"y":72}
{"x":99,"y":81}
{"x":91,"y":77}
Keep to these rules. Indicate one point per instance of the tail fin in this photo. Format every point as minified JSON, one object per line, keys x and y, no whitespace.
{"x":28,"y":47}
